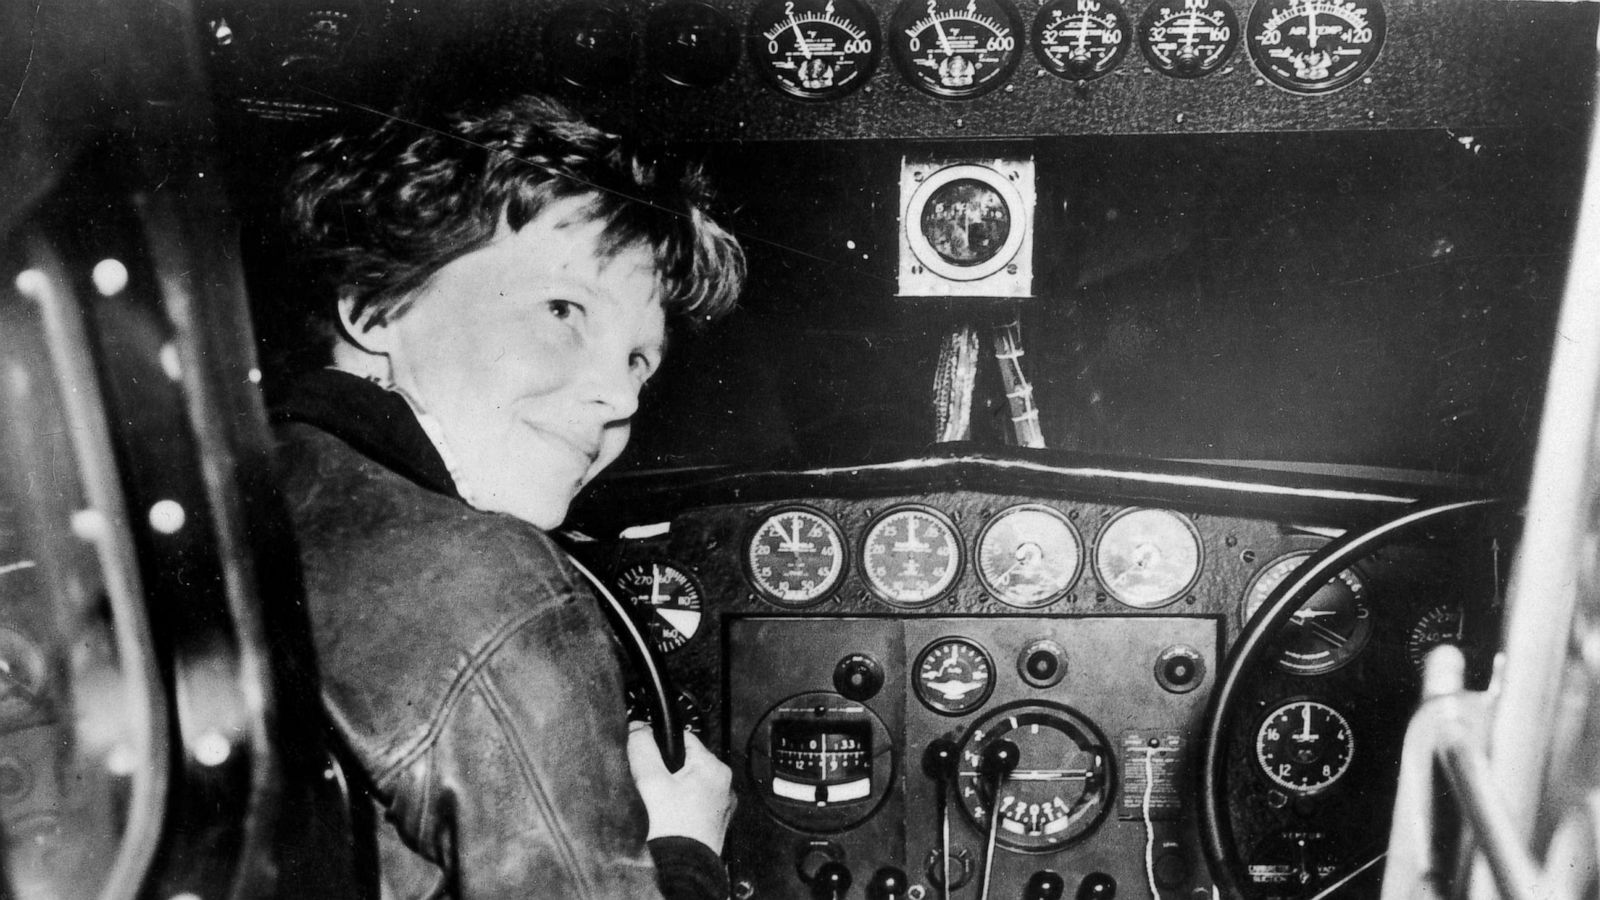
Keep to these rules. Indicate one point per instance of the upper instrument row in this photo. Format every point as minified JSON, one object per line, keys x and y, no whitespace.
{"x":819,"y":50}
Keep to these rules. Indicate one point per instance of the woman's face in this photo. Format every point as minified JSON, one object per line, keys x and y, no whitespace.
{"x":530,"y":353}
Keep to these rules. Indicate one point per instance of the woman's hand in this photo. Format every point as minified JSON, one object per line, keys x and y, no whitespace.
{"x":696,"y":801}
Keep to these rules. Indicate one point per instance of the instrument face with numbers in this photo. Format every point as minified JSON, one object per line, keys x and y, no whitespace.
{"x":1314,"y":46}
{"x":956,"y":49}
{"x":814,"y":49}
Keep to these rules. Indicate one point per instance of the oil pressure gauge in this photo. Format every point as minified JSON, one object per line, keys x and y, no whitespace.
{"x":1188,"y":38}
{"x":956,"y":49}
{"x":814,"y":49}
{"x":1081,"y":39}
{"x":1314,"y":46}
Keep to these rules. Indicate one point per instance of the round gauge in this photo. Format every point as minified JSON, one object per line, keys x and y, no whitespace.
{"x":589,"y":44}
{"x":669,"y":596}
{"x":911,"y":555}
{"x":1305,"y":746}
{"x":1441,"y":624}
{"x":1081,"y":39}
{"x":1188,"y":39}
{"x":691,"y":43}
{"x":821,"y":762}
{"x":1028,"y":556}
{"x":1314,"y":46}
{"x":953,"y":676}
{"x":795,"y":557}
{"x":956,"y":49}
{"x":814,"y":49}
{"x":965,"y":222}
{"x":1061,"y":787}
{"x":1328,"y":630}
{"x":23,"y":672}
{"x":1148,"y":557}
{"x":690,"y":713}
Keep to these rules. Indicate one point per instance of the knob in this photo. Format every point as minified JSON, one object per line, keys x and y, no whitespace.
{"x":888,"y":883}
{"x":1044,"y":885}
{"x":1180,"y":668}
{"x":858,"y":676}
{"x":999,"y":759}
{"x":1042,"y":663}
{"x":939,"y":760}
{"x":831,"y":882}
{"x":1097,"y":886}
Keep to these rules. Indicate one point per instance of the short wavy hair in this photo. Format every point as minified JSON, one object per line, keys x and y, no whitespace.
{"x":381,"y":212}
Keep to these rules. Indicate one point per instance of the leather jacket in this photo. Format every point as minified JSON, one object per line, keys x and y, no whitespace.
{"x":466,"y":669}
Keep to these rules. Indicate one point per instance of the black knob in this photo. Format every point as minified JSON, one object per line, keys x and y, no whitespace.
{"x":831,"y":882}
{"x":939,"y":760}
{"x":858,"y":677}
{"x":1044,"y":885}
{"x":999,"y":759}
{"x":1097,"y":886}
{"x":888,"y":883}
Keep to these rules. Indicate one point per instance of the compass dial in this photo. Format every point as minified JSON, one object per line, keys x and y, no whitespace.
{"x":956,"y":49}
{"x":669,"y":597}
{"x":1314,"y":46}
{"x":1305,"y":746}
{"x":1081,"y":39}
{"x":954,"y":676}
{"x":1188,"y":39}
{"x":814,"y":49}
{"x":795,"y":557}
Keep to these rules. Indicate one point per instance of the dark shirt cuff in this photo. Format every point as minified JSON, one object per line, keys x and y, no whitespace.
{"x":687,"y":870}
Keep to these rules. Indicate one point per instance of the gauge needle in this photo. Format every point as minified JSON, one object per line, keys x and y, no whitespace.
{"x":655,"y":584}
{"x":944,"y":42}
{"x":1301,"y":616}
{"x":805,"y":49}
{"x":1311,"y":25}
{"x":1327,"y":634}
{"x":1305,"y":731}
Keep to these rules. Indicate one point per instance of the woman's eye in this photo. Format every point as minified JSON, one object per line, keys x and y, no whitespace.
{"x":564,"y":309}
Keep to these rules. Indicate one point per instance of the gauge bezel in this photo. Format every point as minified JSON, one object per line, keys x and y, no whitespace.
{"x":938,"y":704}
{"x":1175,"y":596}
{"x":923,"y":249}
{"x":1377,"y":20}
{"x":909,"y":12}
{"x":1147,"y":22}
{"x":1001,"y":593}
{"x":946,"y":583}
{"x":720,"y":58}
{"x":647,"y":608}
{"x":1297,"y":790}
{"x":1358,"y":637}
{"x":605,"y":70}
{"x":821,"y":593}
{"x":823,"y":706}
{"x":1036,"y":39}
{"x":855,"y":11}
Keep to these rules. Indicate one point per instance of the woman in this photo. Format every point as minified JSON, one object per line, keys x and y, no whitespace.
{"x":502,"y":288}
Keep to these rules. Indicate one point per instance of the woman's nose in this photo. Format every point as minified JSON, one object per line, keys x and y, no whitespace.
{"x":614,"y":385}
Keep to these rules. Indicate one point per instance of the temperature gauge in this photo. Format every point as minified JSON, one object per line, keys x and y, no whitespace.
{"x":1081,"y":39}
{"x":956,"y":49}
{"x":954,"y":676}
{"x":669,"y":596}
{"x":1312,"y":46}
{"x":1305,"y":746}
{"x":814,"y":49}
{"x":1190,"y":38}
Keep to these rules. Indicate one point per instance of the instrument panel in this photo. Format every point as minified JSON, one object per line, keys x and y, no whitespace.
{"x":1029,"y":674}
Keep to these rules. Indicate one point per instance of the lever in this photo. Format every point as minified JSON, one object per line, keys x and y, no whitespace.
{"x":888,"y":883}
{"x":831,"y":882}
{"x":939,"y":763}
{"x":997,"y":763}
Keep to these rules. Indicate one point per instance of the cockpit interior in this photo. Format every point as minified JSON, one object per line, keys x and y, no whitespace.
{"x":1127,"y":399}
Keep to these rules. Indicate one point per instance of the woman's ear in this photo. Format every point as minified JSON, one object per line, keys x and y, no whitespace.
{"x":366,"y":330}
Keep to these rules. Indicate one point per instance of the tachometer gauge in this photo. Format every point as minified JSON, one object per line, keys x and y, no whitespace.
{"x":814,"y":49}
{"x":911,"y":555}
{"x":1314,"y":46}
{"x":795,"y":557}
{"x":1441,"y":624}
{"x":1305,"y":746}
{"x":669,"y":596}
{"x":1148,"y":557}
{"x":953,"y":676}
{"x":1081,"y":39}
{"x":956,"y":49}
{"x":1328,"y":630}
{"x":1190,"y":38}
{"x":1028,"y":556}
{"x":1061,"y":786}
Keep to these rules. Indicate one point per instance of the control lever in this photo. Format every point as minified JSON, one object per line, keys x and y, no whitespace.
{"x":939,"y":763}
{"x":998,"y":761}
{"x":831,"y":882}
